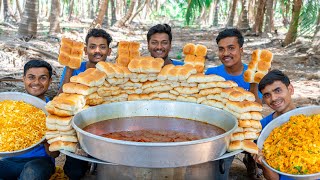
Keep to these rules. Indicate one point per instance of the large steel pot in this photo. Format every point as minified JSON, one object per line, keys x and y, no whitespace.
{"x":309,"y":110}
{"x":154,"y":155}
{"x":18,"y":96}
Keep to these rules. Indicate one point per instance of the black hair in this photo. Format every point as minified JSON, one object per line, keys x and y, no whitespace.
{"x":99,"y":33}
{"x":37,"y":63}
{"x":233,"y":32}
{"x":271,"y":77}
{"x":159,"y":28}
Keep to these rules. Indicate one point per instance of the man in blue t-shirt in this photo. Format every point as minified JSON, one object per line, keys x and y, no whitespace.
{"x":230,"y":45}
{"x":277,"y":91}
{"x":37,"y":163}
{"x":97,"y":48}
{"x":159,"y":39}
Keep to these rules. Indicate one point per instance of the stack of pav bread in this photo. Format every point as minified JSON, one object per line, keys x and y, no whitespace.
{"x":259,"y":65}
{"x":242,"y":105}
{"x":127,"y":50}
{"x":71,"y":51}
{"x":195,"y":56}
{"x":145,"y":78}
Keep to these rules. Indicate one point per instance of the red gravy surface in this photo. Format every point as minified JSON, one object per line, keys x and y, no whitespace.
{"x":154,"y":129}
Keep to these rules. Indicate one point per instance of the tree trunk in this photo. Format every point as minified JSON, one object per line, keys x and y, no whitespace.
{"x":54,"y":18}
{"x":125,"y":18}
{"x":293,"y":29}
{"x":102,"y":11}
{"x":139,"y":9}
{"x":105,"y":21}
{"x":243,"y":23}
{"x":284,"y":14}
{"x":232,"y":13}
{"x":91,"y":9}
{"x":8,"y":11}
{"x":71,"y":9}
{"x":19,"y":8}
{"x":316,"y":37}
{"x":113,"y":13}
{"x":269,"y":17}
{"x":257,"y":27}
{"x":216,"y":11}
{"x":28,"y":24}
{"x":251,"y":11}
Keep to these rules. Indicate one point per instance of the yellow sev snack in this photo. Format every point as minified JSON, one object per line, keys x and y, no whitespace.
{"x":21,"y":125}
{"x":294,"y":147}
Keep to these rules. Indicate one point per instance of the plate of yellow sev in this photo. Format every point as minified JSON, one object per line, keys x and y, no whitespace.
{"x":22,"y":123}
{"x":290,"y":143}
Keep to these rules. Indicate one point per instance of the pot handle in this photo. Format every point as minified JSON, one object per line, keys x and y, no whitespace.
{"x":84,"y":158}
{"x":229,"y":154}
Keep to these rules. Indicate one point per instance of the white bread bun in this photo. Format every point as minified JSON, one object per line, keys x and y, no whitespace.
{"x":70,"y":53}
{"x":248,"y":129}
{"x":69,"y":102}
{"x":187,"y":90}
{"x":250,"y":147}
{"x":63,"y":121}
{"x":161,"y":88}
{"x":75,"y":88}
{"x":250,"y":124}
{"x":246,"y":145}
{"x":65,"y":138}
{"x":187,"y":99}
{"x":90,"y":77}
{"x":226,"y":84}
{"x":54,"y":127}
{"x":201,"y":78}
{"x":207,"y":85}
{"x":163,"y":75}
{"x":206,"y":92}
{"x":60,"y":145}
{"x":256,"y":115}
{"x":213,"y":103}
{"x":237,"y":136}
{"x":259,"y":65}
{"x":234,"y":146}
{"x":201,"y":50}
{"x":59,"y":112}
{"x":189,"y":49}
{"x":146,"y":64}
{"x":215,"y":97}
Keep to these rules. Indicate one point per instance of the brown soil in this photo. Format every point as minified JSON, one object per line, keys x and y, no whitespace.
{"x":294,"y":60}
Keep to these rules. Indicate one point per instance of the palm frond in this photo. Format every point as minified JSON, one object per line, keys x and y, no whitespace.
{"x":194,"y":7}
{"x":308,"y":17}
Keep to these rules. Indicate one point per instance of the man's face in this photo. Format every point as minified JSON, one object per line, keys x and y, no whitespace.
{"x":159,"y":45}
{"x":97,"y":49}
{"x":37,"y":81}
{"x":230,"y":51}
{"x":278,"y":96}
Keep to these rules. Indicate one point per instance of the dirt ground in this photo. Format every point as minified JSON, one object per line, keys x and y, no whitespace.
{"x":294,"y":60}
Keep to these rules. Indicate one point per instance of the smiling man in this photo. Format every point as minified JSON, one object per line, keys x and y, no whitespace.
{"x":159,"y":39}
{"x":230,"y":45}
{"x":37,"y":78}
{"x":97,"y":49}
{"x":277,"y":91}
{"x":37,"y":163}
{"x":230,"y":49}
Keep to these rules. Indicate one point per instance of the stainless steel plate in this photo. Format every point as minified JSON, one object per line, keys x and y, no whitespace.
{"x":278,"y":122}
{"x":17,"y":96}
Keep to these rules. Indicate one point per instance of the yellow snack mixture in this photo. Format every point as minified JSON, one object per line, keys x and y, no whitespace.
{"x":294,"y":147}
{"x":21,"y":125}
